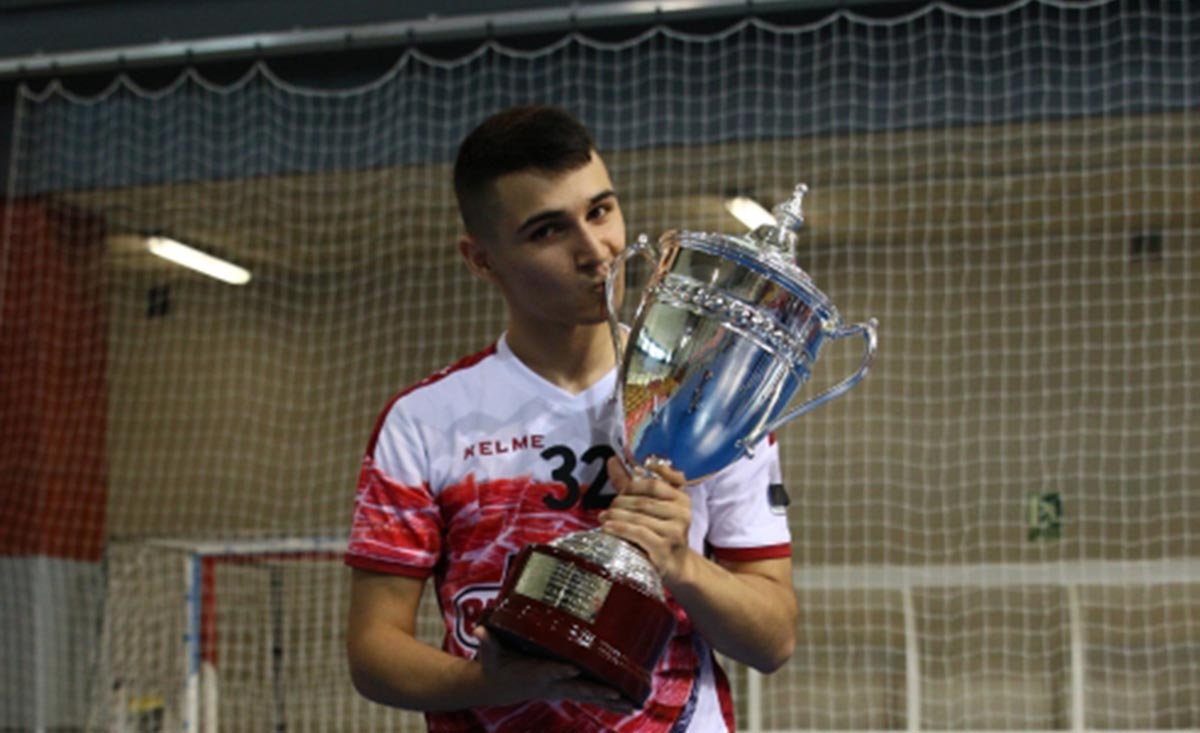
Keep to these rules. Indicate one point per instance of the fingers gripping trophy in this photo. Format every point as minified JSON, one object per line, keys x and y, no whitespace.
{"x":728,"y":328}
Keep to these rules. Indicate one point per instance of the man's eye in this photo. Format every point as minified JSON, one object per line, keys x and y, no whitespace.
{"x":543,"y":232}
{"x":600,"y":211}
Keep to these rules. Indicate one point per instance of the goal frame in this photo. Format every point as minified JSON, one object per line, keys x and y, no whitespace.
{"x":201,"y":686}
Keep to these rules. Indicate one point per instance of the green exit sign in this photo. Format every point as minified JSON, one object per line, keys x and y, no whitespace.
{"x":1043,"y":516}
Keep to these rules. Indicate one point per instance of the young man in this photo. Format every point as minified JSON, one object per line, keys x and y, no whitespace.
{"x":510,"y":446}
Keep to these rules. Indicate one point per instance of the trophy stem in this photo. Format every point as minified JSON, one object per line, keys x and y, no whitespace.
{"x":652,"y":467}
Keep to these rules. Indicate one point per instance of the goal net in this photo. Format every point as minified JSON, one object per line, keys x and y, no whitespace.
{"x":996,"y":530}
{"x":230,"y":636}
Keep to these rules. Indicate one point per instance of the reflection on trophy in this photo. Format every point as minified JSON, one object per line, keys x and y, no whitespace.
{"x":727,"y":330}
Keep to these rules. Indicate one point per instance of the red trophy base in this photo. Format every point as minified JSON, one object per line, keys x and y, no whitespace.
{"x":556,"y":604}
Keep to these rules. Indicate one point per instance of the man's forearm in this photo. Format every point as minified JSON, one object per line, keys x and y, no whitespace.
{"x":391,"y":667}
{"x":747,"y":616}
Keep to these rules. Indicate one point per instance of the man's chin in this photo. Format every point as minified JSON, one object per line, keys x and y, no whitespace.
{"x":603,"y":304}
{"x":599,"y":319}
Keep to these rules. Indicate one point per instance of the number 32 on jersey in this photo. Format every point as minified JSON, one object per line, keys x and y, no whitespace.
{"x":569,"y":469}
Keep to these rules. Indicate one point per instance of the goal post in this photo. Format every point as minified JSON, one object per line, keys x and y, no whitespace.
{"x":201,"y":711}
{"x":239,"y":635}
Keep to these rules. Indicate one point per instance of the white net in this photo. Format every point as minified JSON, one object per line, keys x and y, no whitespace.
{"x":997,"y":530}
{"x":236,"y":636}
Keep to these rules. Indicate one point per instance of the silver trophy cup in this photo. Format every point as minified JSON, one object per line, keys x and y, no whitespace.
{"x":726,"y":331}
{"x":728,"y":328}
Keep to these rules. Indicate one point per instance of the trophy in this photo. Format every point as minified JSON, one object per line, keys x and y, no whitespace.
{"x":728,"y":328}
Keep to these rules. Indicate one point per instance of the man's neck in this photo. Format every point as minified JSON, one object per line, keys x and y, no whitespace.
{"x":572,"y":358}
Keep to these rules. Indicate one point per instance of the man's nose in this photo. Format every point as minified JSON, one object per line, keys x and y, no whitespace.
{"x":597,"y":246}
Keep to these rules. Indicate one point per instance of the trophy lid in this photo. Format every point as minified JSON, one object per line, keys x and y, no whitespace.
{"x":770,"y":250}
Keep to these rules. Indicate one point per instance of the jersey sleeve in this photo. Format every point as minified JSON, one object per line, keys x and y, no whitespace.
{"x":747,"y":508}
{"x":397,"y":525}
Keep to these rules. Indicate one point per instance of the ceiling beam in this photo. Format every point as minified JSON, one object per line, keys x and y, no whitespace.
{"x":431,"y":29}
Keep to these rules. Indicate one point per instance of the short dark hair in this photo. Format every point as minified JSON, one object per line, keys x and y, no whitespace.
{"x":519,"y":138}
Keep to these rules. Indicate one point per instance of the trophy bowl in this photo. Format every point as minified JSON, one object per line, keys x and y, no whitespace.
{"x":727,"y":330}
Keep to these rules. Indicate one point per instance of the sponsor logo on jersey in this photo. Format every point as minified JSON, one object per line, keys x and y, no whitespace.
{"x":777,"y":497}
{"x":500,"y":446}
{"x":469,"y":605}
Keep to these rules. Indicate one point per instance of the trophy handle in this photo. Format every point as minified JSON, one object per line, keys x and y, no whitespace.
{"x":867,"y":330}
{"x":640,"y":246}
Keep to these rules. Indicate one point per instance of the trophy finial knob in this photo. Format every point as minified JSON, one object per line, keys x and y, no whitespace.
{"x":780,"y":237}
{"x":790,"y":213}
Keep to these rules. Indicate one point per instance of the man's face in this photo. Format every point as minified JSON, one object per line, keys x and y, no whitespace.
{"x":550,"y":242}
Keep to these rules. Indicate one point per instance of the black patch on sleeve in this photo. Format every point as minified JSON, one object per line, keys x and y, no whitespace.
{"x":777,"y":497}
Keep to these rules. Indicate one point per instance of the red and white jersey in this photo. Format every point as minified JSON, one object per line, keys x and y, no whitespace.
{"x":484,"y":457}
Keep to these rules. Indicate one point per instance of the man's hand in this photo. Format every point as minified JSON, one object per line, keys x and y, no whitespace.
{"x":654,"y":513}
{"x":747,"y":610}
{"x":390,"y":666}
{"x":517,"y":678}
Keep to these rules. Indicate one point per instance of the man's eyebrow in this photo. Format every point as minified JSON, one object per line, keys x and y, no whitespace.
{"x":552,"y":214}
{"x":606,"y":193}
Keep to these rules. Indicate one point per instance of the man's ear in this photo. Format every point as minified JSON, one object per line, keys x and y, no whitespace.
{"x":476,"y":256}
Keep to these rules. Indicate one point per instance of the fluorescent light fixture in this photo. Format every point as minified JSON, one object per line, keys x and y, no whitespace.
{"x":182,"y":254}
{"x":749,"y":212}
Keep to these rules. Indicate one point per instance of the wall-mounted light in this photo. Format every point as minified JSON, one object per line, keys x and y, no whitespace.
{"x":182,"y":254}
{"x":748,"y":211}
